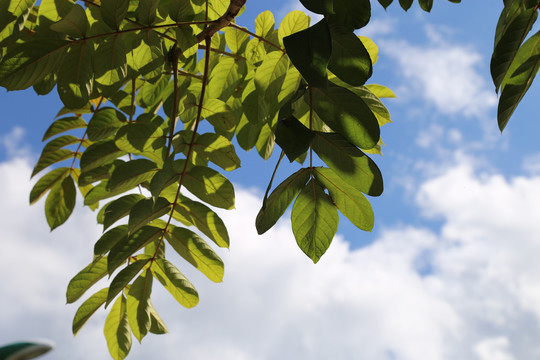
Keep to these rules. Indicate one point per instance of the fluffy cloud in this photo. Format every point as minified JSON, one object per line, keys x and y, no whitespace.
{"x":468,"y":291}
{"x":444,"y":74}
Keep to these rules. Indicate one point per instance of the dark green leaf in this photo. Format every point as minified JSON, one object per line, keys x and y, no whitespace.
{"x":62,"y":125}
{"x":351,"y":202}
{"x":87,"y":309}
{"x":74,"y":24}
{"x":29,"y":62}
{"x":117,"y":209}
{"x":124,"y":249}
{"x":105,"y":123}
{"x":350,"y":60}
{"x":145,"y":211}
{"x":351,"y":14}
{"x":46,"y":182}
{"x":347,"y":114}
{"x":309,"y":51}
{"x":405,"y":4}
{"x":293,"y":137}
{"x":347,"y":161}
{"x":85,"y":279}
{"x":52,"y":158}
{"x":60,"y":202}
{"x":110,"y":65}
{"x":158,"y":326}
{"x":385,"y":3}
{"x":280,"y":199}
{"x":426,"y":5}
{"x":131,"y":173}
{"x":113,"y":12}
{"x":314,"y":220}
{"x":123,"y":278}
{"x":175,"y":283}
{"x":108,"y":240}
{"x":319,"y":6}
{"x":208,"y":147}
{"x":138,"y":305}
{"x":76,"y":76}
{"x":197,"y":252}
{"x":98,"y":154}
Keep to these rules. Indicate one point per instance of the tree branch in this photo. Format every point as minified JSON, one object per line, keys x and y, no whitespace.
{"x":224,"y":21}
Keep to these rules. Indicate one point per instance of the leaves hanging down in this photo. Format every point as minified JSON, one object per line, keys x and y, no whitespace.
{"x":76,"y":79}
{"x":175,"y":283}
{"x":293,"y":137}
{"x":138,"y":305}
{"x":85,"y":279}
{"x":309,"y":51}
{"x":117,"y":330}
{"x":319,"y":6}
{"x":60,"y":202}
{"x":314,"y":220}
{"x":87,"y":309}
{"x":351,"y":14}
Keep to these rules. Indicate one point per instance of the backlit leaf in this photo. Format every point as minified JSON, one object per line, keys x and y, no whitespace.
{"x":117,"y":209}
{"x":175,"y":283}
{"x":210,"y":186}
{"x":87,"y":309}
{"x":145,"y":211}
{"x":60,"y":202}
{"x":85,"y":279}
{"x":138,"y":305}
{"x":131,"y":173}
{"x":46,"y":182}
{"x":105,"y":123}
{"x":76,"y":76}
{"x":74,"y":24}
{"x":293,"y":22}
{"x":123,"y":278}
{"x":117,"y":330}
{"x":62,"y":125}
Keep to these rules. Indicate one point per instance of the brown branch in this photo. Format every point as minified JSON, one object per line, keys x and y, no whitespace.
{"x":224,"y":20}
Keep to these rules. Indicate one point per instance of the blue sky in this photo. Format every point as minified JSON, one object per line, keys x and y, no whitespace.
{"x":449,"y":272}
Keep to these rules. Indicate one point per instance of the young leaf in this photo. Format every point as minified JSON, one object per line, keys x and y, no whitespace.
{"x":350,"y":61}
{"x":197,"y":252}
{"x":210,"y":186}
{"x":124,"y":249}
{"x":293,"y":22}
{"x":175,"y":282}
{"x":123,"y":278}
{"x":351,"y":202}
{"x":138,"y":305}
{"x":310,"y":51}
{"x":351,"y":164}
{"x":264,"y":24}
{"x":87,"y":309}
{"x":314,"y":220}
{"x":60,"y":202}
{"x":347,"y":114}
{"x":85,"y":279}
{"x":280,"y":199}
{"x":117,"y":330}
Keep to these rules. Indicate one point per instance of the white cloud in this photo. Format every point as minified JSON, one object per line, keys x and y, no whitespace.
{"x":444,"y":74}
{"x":470,"y":292}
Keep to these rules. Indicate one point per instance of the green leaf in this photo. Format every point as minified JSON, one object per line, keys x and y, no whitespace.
{"x":314,"y":220}
{"x":124,"y":249}
{"x":85,"y":279}
{"x":110,"y":65}
{"x":385,"y":3}
{"x":113,"y":12}
{"x":157,"y":326}
{"x":319,"y":6}
{"x":224,"y":79}
{"x":74,"y":24}
{"x":143,"y":138}
{"x":293,"y":22}
{"x":264,"y":24}
{"x":510,"y":39}
{"x":138,"y":305}
{"x":131,"y":173}
{"x":208,"y":147}
{"x":405,"y":4}
{"x":350,"y":61}
{"x":197,"y":252}
{"x":50,"y":158}
{"x":380,"y":91}
{"x":279,"y":200}
{"x":117,"y":209}
{"x":210,"y":186}
{"x":349,"y":163}
{"x":108,"y":240}
{"x":351,"y":202}
{"x":293,"y":137}
{"x":28,"y":63}
{"x":98,"y":154}
{"x":87,"y":309}
{"x":147,"y":59}
{"x":426,"y":5}
{"x":104,"y":123}
{"x":117,"y":330}
{"x":175,"y":282}
{"x":519,"y":78}
{"x":123,"y":278}
{"x":204,"y":219}
{"x":375,"y":104}
{"x":351,"y":14}
{"x":236,"y":39}
{"x":145,"y":211}
{"x":347,"y":114}
{"x":46,"y":182}
{"x":76,"y":76}
{"x":310,"y":51}
{"x":147,"y":11}
{"x":60,"y":202}
{"x":64,"y":124}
